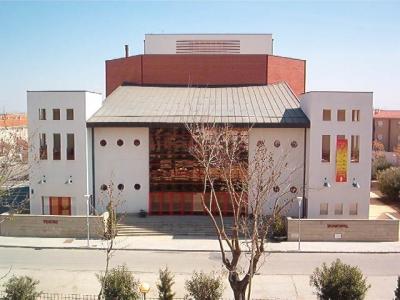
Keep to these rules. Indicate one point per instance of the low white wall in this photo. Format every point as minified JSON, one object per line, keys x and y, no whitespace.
{"x":344,"y":230}
{"x":52,"y":226}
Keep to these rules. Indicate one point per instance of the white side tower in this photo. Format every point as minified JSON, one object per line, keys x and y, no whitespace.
{"x":60,"y":161}
{"x":339,"y":154}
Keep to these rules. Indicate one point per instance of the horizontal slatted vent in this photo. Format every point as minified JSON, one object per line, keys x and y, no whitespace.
{"x":208,"y":47}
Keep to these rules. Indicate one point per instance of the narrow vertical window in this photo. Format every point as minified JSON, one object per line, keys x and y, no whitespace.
{"x":355,"y":148}
{"x":339,"y":209}
{"x":42,"y":114}
{"x":355,"y":115}
{"x":56,"y":146}
{"x":326,"y":148}
{"x":341,"y":115}
{"x":353,"y":211}
{"x":70,"y":114}
{"x":70,"y":146}
{"x":42,"y":146}
{"x":323,"y":209}
{"x":326,"y":115}
{"x":56,"y":114}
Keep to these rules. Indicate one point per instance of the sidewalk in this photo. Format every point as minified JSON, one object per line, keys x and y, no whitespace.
{"x":194,"y":244}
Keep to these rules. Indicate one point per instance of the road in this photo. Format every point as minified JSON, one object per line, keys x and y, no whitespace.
{"x":283,"y":276}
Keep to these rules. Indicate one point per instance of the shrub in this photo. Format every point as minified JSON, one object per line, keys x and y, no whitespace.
{"x":379,"y":164}
{"x":397,"y":290}
{"x":21,"y":288}
{"x":120,"y":284}
{"x":202,"y":286}
{"x":278,"y":227}
{"x":339,"y":281}
{"x":389,"y":182}
{"x":166,"y":281}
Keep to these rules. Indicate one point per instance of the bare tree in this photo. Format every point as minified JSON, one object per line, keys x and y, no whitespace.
{"x":111,"y":200}
{"x":258,"y":188}
{"x":13,"y":166}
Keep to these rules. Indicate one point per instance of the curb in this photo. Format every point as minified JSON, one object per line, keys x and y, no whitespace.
{"x":193,"y":250}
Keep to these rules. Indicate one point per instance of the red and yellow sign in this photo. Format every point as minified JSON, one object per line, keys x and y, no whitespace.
{"x":341,"y":160}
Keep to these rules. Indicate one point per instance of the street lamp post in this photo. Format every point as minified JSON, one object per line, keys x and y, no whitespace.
{"x":144,"y":289}
{"x":299,"y":199}
{"x":88,"y":197}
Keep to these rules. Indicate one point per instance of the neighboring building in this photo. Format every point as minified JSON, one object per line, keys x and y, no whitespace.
{"x":14,"y":130}
{"x":386,"y":128}
{"x":137,"y":138}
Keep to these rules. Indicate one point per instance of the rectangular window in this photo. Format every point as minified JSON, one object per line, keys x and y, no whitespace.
{"x":339,"y":209}
{"x":340,"y":137}
{"x":355,"y":115}
{"x":56,"y":146}
{"x":56,"y":114}
{"x":42,"y":114}
{"x":355,"y":148}
{"x":42,"y":146}
{"x":326,"y":115}
{"x":353,"y":209}
{"x":323,"y":209}
{"x":326,"y":148}
{"x":341,"y":115}
{"x":70,"y":114}
{"x":70,"y":146}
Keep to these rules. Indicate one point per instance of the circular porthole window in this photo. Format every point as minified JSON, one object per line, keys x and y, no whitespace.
{"x":103,"y":187}
{"x":137,"y":186}
{"x":276,"y":189}
{"x":120,"y":142}
{"x":293,"y":189}
{"x":277,"y":143}
{"x":293,"y":144}
{"x":103,"y":143}
{"x":136,"y":142}
{"x":120,"y":186}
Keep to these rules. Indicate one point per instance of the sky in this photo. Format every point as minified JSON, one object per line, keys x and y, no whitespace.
{"x":56,"y":45}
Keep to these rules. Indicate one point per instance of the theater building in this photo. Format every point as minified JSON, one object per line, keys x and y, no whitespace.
{"x":136,"y":137}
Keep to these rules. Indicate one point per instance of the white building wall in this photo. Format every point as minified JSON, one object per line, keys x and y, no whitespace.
{"x":292,"y":174}
{"x":249,"y":43}
{"x":57,"y":172}
{"x":312,"y":104}
{"x":127,"y":164}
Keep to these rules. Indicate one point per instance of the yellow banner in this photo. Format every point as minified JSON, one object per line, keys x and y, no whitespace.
{"x":341,"y":160}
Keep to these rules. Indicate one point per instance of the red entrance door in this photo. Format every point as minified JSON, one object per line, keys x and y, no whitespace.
{"x":60,"y":205}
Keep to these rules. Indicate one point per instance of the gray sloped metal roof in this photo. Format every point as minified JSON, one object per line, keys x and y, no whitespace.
{"x":272,"y":105}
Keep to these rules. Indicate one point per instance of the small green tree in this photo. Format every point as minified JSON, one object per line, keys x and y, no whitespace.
{"x":389,"y":182}
{"x":202,"y":286}
{"x":164,"y":286}
{"x":119,"y":283}
{"x":379,"y":164}
{"x":397,"y":290}
{"x":339,"y":281}
{"x":21,"y":288}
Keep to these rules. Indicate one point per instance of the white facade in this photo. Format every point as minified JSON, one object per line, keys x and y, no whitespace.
{"x":127,"y":164}
{"x":120,"y":155}
{"x":208,"y":44}
{"x":60,"y":178}
{"x":352,"y":195}
{"x":287,"y":146}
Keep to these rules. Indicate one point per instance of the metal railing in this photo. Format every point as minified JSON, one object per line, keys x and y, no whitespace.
{"x":58,"y":296}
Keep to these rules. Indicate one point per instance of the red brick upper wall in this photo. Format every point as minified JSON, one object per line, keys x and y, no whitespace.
{"x":212,"y":70}
{"x":123,"y":70}
{"x":291,"y":70}
{"x":204,"y":69}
